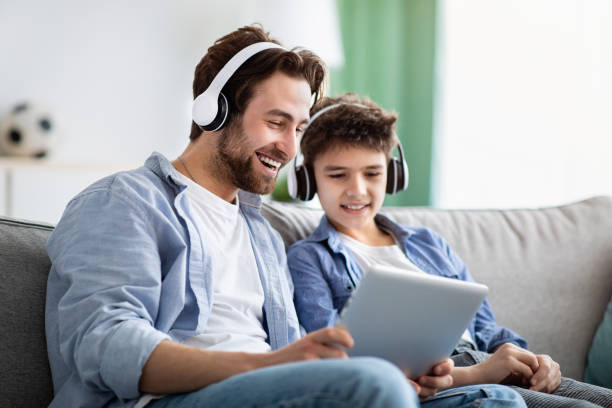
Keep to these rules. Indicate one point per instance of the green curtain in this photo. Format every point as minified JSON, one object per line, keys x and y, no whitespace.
{"x":389,"y":56}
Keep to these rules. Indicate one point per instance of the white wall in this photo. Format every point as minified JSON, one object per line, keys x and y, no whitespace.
{"x":117,"y":74}
{"x":524,"y":102}
{"x":117,"y":77}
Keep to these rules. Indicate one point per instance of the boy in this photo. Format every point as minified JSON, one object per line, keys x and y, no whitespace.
{"x":346,"y":149}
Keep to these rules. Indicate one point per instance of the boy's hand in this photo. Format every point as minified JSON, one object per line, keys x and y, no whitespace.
{"x":509,"y":364}
{"x":323,"y":343}
{"x":547,"y":377}
{"x":437,"y":379}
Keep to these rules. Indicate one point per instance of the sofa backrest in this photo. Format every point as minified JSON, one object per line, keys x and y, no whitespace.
{"x":24,"y":368}
{"x":549,"y":270}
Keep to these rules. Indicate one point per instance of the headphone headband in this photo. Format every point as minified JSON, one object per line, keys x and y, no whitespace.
{"x":206,"y":105}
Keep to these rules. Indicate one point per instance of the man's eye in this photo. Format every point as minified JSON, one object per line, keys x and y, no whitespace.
{"x":335,"y":176}
{"x":373,"y":174}
{"x":274,"y":123}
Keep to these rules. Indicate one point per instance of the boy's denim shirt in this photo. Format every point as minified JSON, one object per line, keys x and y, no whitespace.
{"x":130,"y":269}
{"x":325,"y":274}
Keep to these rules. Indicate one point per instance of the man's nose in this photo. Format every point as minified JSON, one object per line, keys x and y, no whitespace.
{"x":288,"y":144}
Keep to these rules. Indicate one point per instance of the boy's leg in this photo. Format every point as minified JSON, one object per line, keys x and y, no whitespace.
{"x":483,"y":396}
{"x":570,"y":394}
{"x":358,"y":382}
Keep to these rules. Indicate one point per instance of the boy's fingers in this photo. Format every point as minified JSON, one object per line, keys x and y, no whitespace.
{"x":548,"y":376}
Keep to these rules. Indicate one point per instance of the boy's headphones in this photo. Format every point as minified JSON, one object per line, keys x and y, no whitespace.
{"x":301,"y":180}
{"x":211,"y":109}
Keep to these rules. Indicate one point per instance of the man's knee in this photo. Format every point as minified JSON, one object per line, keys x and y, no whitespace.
{"x":381,"y":383}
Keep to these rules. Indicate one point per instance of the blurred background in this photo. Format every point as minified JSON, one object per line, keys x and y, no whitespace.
{"x":501,"y":104}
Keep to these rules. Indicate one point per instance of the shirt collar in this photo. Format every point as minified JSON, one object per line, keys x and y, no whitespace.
{"x":162,"y":167}
{"x":326,"y":232}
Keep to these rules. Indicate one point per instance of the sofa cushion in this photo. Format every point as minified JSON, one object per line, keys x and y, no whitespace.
{"x":549,"y":270}
{"x":24,"y":265}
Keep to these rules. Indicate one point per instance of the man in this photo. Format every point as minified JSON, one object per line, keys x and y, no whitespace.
{"x":167,"y":286}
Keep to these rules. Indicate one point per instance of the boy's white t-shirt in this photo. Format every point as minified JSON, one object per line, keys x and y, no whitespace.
{"x":392,"y":256}
{"x":236,"y":319}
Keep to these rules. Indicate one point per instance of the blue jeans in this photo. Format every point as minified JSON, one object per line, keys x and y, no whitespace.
{"x":358,"y":382}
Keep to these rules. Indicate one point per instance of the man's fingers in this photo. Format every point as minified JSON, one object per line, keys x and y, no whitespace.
{"x":437,"y":382}
{"x":417,"y":387}
{"x":444,"y":367}
{"x":336,"y":336}
{"x":319,"y":350}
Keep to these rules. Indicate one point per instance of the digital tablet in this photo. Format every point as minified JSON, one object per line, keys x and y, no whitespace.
{"x":412,"y":319}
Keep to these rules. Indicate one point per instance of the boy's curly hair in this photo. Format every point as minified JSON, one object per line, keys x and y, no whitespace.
{"x":358,"y":122}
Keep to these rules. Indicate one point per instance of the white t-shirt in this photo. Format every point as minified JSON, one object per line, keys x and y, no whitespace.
{"x":236,"y":319}
{"x":368,"y":257}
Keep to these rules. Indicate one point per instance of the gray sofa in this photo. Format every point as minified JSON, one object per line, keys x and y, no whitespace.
{"x":549,"y":271}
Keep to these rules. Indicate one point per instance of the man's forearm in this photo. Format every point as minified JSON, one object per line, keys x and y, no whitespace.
{"x":176,"y":368}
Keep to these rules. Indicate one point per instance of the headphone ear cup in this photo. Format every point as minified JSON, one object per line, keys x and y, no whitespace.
{"x":222,"y":115}
{"x":312,"y":183}
{"x":397,"y":176}
{"x":301,"y":183}
{"x":392,"y":176}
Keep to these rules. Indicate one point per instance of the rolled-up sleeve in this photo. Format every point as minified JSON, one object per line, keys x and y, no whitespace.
{"x":104,"y":287}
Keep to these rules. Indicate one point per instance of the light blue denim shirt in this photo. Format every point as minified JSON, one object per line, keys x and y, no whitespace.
{"x":325,"y":274}
{"x":130,"y":269}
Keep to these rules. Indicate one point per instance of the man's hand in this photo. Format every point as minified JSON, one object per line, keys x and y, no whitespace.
{"x":547,"y":377}
{"x":509,"y":364}
{"x":437,"y":379}
{"x":323,"y":343}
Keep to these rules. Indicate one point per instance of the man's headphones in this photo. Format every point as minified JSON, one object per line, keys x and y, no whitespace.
{"x":211,"y":109}
{"x":301,"y":181}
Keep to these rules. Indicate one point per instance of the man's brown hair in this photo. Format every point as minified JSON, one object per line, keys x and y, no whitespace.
{"x":297,"y":63}
{"x":357,"y":122}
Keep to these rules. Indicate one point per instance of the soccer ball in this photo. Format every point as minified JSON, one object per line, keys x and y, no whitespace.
{"x":27,"y":131}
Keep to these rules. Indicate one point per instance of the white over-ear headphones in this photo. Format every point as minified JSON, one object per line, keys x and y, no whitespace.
{"x":211,"y":109}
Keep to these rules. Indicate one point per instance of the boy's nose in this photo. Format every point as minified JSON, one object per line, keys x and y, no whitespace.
{"x":356,"y":187}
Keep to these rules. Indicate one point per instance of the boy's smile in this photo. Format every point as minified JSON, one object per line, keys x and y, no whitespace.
{"x":351,"y":184}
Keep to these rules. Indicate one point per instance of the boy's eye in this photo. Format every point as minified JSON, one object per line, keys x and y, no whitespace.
{"x":335,"y":175}
{"x":373,"y":174}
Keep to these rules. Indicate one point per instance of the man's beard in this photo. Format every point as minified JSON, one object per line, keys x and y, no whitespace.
{"x":233,"y":161}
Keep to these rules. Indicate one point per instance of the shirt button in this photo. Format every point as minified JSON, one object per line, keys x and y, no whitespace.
{"x":349,"y":287}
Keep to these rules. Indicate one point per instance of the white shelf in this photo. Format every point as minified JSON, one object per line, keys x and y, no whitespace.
{"x":39,"y":189}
